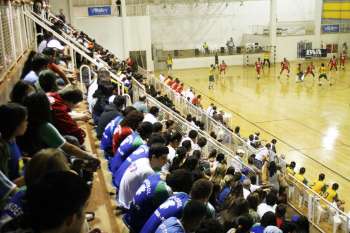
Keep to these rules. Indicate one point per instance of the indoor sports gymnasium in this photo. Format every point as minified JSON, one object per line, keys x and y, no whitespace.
{"x":175,"y":116}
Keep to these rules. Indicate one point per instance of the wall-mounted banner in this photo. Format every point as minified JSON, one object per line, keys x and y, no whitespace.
{"x":99,"y":11}
{"x":330,"y":28}
{"x":307,"y":53}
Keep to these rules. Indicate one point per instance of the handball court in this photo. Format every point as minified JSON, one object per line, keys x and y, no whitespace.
{"x":310,"y":122}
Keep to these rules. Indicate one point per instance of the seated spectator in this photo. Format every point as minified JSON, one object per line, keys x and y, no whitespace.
{"x":174,"y":205}
{"x":62,"y":104}
{"x":51,"y":54}
{"x":281,"y":211}
{"x":319,"y":186}
{"x":110,"y":112}
{"x":197,"y":101}
{"x":210,"y":226}
{"x":220,"y":169}
{"x":13,"y":123}
{"x":39,"y":63}
{"x":107,"y":137}
{"x":179,"y":159}
{"x":174,"y":142}
{"x":138,"y":171}
{"x":237,"y":131}
{"x":47,"y":81}
{"x":192,"y":137}
{"x":300,"y":176}
{"x":157,"y":127}
{"x":140,"y":105}
{"x":130,"y":144}
{"x":20,"y":91}
{"x":192,"y":216}
{"x":152,"y":115}
{"x":152,"y":193}
{"x":268,"y":219}
{"x":244,"y":223}
{"x":42,"y":134}
{"x":230,"y":215}
{"x":41,"y":214}
{"x":126,"y":127}
{"x":331,"y":195}
{"x":269,"y":206}
{"x":253,"y":202}
{"x":44,"y":162}
{"x":28,"y":64}
{"x":7,"y":188}
{"x":140,"y":153}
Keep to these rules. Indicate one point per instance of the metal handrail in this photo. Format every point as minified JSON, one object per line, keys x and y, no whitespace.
{"x":75,"y":48}
{"x":183,"y":121}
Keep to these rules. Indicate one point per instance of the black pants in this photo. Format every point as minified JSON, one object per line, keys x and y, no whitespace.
{"x":268,"y":62}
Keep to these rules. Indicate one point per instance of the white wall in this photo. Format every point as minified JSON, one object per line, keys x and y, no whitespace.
{"x":56,"y":5}
{"x":107,"y":31}
{"x":188,"y":26}
{"x":198,"y":62}
{"x":295,"y":10}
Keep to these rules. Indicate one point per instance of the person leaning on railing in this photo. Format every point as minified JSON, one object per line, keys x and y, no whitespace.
{"x":331,"y":195}
{"x":319,"y":186}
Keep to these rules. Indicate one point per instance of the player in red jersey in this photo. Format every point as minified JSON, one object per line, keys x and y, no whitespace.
{"x":258,"y":67}
{"x":223,"y":67}
{"x":285,"y":66}
{"x":333,"y":63}
{"x":310,"y":70}
{"x":342,"y":61}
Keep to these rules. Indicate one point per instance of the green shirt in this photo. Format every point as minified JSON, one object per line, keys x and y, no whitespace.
{"x":50,"y":136}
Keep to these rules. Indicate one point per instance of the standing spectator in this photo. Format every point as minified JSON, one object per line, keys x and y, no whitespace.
{"x":169,"y":63}
{"x":274,"y":176}
{"x":119,"y":7}
{"x":205,"y":47}
{"x":61,"y":16}
{"x":174,"y":143}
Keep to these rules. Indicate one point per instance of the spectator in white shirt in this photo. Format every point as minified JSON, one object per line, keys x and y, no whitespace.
{"x":139,"y":170}
{"x":39,"y":63}
{"x":43,"y":43}
{"x":246,"y":188}
{"x":161,"y":78}
{"x":174,"y":143}
{"x":192,"y":136}
{"x":269,"y":206}
{"x":201,"y":143}
{"x":140,"y":105}
{"x":152,"y":115}
{"x":210,"y":109}
{"x":189,"y":95}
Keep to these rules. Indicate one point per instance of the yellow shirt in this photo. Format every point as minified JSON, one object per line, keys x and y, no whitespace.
{"x":290,"y":171}
{"x":330,"y":194}
{"x":318,"y":186}
{"x":300,"y":178}
{"x":266,"y":55}
{"x":169,"y":61}
{"x":211,"y":71}
{"x":322,"y":70}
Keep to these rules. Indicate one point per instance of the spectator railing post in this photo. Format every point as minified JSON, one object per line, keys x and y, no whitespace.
{"x":12,"y":34}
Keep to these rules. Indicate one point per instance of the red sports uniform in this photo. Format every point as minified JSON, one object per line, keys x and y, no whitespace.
{"x":258,"y":66}
{"x":333,"y":63}
{"x":223,"y":68}
{"x":285,"y":66}
{"x":342,"y":60}
{"x":310,"y":70}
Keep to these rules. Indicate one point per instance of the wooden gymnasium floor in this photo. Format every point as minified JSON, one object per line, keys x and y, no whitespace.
{"x":310,"y":122}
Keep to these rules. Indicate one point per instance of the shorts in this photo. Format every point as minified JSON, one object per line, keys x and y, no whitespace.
{"x":322,"y":76}
{"x":211,"y":78}
{"x":170,"y":66}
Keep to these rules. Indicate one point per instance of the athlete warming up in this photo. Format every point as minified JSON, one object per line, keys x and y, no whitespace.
{"x":333,"y":63}
{"x":284,"y":66}
{"x":211,"y":77}
{"x":258,"y":67}
{"x":223,"y":68}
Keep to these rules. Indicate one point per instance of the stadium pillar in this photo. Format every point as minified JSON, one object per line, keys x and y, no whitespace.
{"x":273,"y":25}
{"x":317,"y":23}
{"x":124,"y":30}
